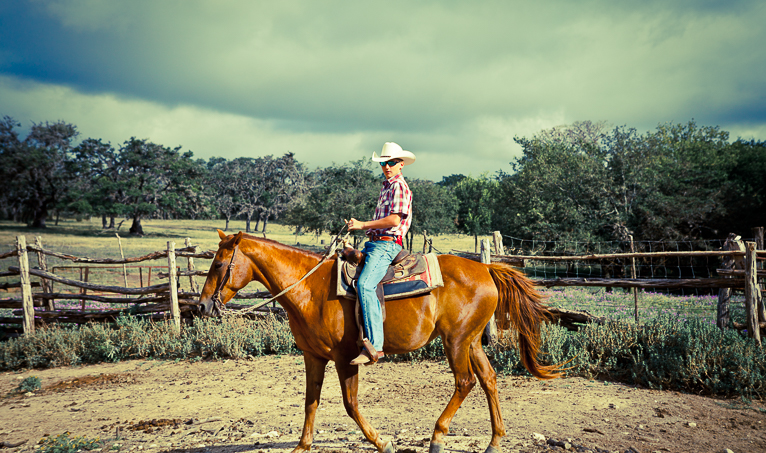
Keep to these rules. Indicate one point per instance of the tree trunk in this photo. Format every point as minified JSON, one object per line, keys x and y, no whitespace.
{"x":265,"y":222}
{"x":39,"y":220}
{"x":58,"y":216}
{"x":136,"y":227}
{"x":103,"y":221}
{"x":247,"y":223}
{"x":226,"y":228}
{"x":257,"y":222}
{"x":111,"y":222}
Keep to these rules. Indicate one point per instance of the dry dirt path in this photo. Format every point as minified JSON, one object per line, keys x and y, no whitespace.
{"x":257,"y":405}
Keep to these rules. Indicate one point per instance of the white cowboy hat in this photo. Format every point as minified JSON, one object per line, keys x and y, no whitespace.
{"x":393,"y":151}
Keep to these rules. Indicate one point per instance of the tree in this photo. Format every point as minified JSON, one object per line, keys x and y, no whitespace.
{"x":336,"y":193}
{"x":475,"y":206}
{"x":745,"y":197}
{"x":286,"y":184}
{"x":103,"y":193}
{"x":222,"y":187}
{"x":434,"y":208}
{"x":690,"y":179}
{"x":40,"y":171}
{"x":153,"y":177}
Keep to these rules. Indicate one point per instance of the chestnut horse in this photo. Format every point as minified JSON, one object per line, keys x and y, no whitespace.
{"x":324,"y":327}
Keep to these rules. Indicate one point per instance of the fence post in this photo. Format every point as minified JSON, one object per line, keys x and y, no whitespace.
{"x":733,"y":242}
{"x":26,"y":286}
{"x":190,"y":267}
{"x":633,"y":276}
{"x":47,"y":285}
{"x":498,"y":240}
{"x":758,"y":234}
{"x":175,"y":311}
{"x":122,"y":255}
{"x":751,"y":292}
{"x":490,"y":331}
{"x":425,"y":241}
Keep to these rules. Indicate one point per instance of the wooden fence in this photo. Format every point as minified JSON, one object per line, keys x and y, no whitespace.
{"x":160,"y":301}
{"x":165,"y":301}
{"x":739,"y":270}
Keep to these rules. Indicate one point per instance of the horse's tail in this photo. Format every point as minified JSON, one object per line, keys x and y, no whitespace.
{"x":519,"y":304}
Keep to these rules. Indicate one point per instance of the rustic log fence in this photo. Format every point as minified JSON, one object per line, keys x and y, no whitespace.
{"x":738,"y":271}
{"x":163,"y":301}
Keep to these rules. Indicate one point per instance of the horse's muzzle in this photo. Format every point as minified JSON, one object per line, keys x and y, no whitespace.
{"x":209,"y":308}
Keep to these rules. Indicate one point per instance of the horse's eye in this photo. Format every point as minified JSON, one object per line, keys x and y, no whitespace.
{"x":218,"y":265}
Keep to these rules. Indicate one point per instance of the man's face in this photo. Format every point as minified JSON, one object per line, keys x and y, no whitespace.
{"x":391,"y":168}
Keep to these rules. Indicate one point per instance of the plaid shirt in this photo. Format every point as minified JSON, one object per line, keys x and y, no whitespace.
{"x":395,"y":198}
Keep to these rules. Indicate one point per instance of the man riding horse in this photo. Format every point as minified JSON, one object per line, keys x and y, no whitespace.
{"x":385,"y":232}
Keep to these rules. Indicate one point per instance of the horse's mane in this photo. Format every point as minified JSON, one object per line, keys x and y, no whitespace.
{"x":228,"y":243}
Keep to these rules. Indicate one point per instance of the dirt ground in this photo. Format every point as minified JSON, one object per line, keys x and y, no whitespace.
{"x":257,"y":405}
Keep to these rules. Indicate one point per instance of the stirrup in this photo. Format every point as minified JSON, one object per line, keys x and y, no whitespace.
{"x":368,"y":355}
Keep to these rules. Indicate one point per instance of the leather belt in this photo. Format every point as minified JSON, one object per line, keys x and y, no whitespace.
{"x":383,"y":238}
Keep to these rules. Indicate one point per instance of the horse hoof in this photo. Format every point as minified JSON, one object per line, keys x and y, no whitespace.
{"x":492,"y":449}
{"x":436,"y":447}
{"x":389,"y":448}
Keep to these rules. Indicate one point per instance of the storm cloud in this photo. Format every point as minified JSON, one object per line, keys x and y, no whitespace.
{"x":331,"y":81}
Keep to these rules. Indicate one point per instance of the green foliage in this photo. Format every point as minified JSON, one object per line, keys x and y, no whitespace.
{"x":336,"y":193}
{"x":134,"y":338}
{"x":475,"y":208}
{"x":582,"y":183}
{"x":63,"y":443}
{"x":434,"y":207}
{"x":692,"y":356}
{"x":30,"y":384}
{"x":663,"y":353}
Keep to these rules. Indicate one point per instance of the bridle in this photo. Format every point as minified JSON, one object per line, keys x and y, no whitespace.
{"x":219,"y":306}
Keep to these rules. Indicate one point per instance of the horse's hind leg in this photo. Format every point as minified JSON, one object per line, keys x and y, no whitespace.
{"x":488,"y":381}
{"x":315,"y":370}
{"x":457,"y":356}
{"x":349,"y":386}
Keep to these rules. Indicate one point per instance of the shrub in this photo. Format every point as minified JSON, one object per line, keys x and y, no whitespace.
{"x":65,"y":444}
{"x":30,"y":384}
{"x":664,"y":353}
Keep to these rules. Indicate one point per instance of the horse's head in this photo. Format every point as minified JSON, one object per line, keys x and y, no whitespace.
{"x":228,"y":274}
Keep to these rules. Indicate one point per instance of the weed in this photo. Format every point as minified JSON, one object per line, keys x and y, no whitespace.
{"x":65,"y":444}
{"x":30,"y":384}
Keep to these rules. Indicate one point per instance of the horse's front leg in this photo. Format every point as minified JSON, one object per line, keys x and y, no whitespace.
{"x":349,"y":387}
{"x":315,"y":369}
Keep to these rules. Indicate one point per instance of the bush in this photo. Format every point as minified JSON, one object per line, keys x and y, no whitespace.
{"x":65,"y":444}
{"x":663,"y":353}
{"x":30,"y":384}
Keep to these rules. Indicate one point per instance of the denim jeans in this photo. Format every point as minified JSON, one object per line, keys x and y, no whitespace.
{"x":380,"y":254}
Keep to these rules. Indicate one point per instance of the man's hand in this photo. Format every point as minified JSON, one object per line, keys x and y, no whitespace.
{"x":354,"y":224}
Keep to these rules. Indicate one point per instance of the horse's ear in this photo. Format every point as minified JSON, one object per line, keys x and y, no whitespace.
{"x":221,"y":235}
{"x":238,"y":238}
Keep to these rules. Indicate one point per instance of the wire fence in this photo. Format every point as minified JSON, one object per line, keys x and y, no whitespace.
{"x":665,"y":267}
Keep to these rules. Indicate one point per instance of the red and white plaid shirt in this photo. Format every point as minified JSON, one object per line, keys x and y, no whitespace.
{"x":395,"y":198}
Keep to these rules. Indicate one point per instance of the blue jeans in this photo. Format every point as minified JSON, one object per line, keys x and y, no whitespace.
{"x":380,"y":254}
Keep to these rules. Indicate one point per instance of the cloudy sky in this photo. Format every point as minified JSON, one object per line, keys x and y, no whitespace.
{"x":452,"y":81}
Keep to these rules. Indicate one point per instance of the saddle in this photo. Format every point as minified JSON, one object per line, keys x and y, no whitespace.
{"x":410,"y":274}
{"x":404,"y":264}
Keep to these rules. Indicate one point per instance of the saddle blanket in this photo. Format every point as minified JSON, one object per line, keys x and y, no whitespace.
{"x":398,"y":288}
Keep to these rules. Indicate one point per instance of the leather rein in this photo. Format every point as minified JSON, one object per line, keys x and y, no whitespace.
{"x":216,"y":297}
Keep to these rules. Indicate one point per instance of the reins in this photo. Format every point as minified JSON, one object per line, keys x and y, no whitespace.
{"x":217,"y":295}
